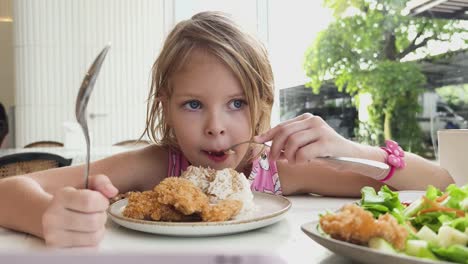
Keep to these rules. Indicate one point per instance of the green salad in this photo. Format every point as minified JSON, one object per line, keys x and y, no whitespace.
{"x":437,"y":222}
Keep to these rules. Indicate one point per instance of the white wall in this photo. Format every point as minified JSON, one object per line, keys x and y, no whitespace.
{"x":55,"y":43}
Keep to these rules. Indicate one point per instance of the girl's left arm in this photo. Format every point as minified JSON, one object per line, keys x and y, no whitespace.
{"x":297,"y":143}
{"x":318,"y":177}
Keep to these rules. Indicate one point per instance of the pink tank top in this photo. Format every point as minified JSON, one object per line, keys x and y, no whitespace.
{"x":263,"y":177}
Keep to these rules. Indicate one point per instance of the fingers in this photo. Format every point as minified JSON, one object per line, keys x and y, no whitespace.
{"x":102,"y":184}
{"x":75,"y":218}
{"x":85,"y":201}
{"x":76,"y":221}
{"x":65,"y":238}
{"x":270,"y":134}
{"x":309,"y":152}
{"x":297,"y":144}
{"x":281,"y":134}
{"x":304,"y":138}
{"x":290,"y":132}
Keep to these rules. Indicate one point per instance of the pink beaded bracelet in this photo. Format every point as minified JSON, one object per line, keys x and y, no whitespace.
{"x":394,"y":159}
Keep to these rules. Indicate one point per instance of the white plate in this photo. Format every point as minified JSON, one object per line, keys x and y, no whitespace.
{"x":363,"y":254}
{"x":269,"y":209}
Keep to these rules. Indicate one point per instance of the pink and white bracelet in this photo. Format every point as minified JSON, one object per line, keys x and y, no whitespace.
{"x":394,"y":159}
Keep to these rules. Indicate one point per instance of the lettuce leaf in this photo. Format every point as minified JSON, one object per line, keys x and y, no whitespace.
{"x":461,"y":223}
{"x":433,"y":220}
{"x":432,"y":192}
{"x":456,"y":195}
{"x":385,"y":201}
{"x":454,"y":253}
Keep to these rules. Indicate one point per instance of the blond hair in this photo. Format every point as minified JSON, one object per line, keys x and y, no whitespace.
{"x":217,"y":34}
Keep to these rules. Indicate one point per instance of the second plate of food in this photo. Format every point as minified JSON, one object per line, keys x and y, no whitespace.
{"x":268,"y":210}
{"x":360,"y":253}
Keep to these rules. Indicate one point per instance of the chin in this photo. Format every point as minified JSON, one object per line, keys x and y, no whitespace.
{"x":221,"y":166}
{"x":224,"y":165}
{"x":232,"y":161}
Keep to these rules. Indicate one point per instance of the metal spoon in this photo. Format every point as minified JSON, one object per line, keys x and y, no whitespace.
{"x":82,"y":102}
{"x":371,"y":168}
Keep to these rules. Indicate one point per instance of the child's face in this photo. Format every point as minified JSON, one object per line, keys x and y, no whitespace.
{"x":208,"y":112}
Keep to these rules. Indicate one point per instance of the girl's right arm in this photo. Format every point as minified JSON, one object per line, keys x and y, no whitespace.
{"x":22,"y":203}
{"x":70,"y":217}
{"x":52,"y":204}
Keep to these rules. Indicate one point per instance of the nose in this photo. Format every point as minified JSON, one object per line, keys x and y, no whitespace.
{"x":215,"y":125}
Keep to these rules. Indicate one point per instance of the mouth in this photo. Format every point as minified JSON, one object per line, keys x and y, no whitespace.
{"x":215,"y":153}
{"x":217,"y":156}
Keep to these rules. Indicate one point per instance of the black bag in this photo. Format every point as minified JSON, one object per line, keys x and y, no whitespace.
{"x":3,"y":123}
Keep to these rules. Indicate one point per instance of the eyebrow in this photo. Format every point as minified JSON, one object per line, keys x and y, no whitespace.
{"x":237,"y":95}
{"x":188,"y":94}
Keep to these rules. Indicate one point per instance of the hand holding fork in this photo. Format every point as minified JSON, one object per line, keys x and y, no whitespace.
{"x":308,"y":137}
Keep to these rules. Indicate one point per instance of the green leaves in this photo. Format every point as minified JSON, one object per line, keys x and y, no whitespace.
{"x":385,"y":201}
{"x":442,"y":233}
{"x":362,"y":51}
{"x":454,"y":253}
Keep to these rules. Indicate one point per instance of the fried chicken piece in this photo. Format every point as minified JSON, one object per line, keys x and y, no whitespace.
{"x":178,"y":200}
{"x":144,"y":205}
{"x":168,"y":213}
{"x":391,"y":231}
{"x":356,"y":225}
{"x":223,"y":211}
{"x":182,"y":195}
{"x":351,"y":224}
{"x":140,"y":205}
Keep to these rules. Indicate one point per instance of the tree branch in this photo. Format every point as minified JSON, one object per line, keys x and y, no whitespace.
{"x":412,"y":46}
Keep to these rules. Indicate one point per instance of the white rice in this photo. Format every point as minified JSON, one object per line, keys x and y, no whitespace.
{"x":221,"y":185}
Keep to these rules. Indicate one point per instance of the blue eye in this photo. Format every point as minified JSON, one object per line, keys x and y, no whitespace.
{"x":192,"y":105}
{"x":238,"y":103}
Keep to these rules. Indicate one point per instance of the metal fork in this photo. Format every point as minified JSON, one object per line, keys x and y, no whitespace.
{"x":82,"y":102}
{"x":372,"y":168}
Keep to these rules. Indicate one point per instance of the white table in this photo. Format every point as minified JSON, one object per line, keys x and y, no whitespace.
{"x":285,"y":239}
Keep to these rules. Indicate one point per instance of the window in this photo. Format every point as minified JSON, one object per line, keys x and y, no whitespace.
{"x":382,"y":54}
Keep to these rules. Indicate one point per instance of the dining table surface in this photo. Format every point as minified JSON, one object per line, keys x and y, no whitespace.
{"x":284,"y":239}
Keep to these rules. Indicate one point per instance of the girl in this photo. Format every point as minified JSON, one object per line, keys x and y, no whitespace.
{"x":212,"y":87}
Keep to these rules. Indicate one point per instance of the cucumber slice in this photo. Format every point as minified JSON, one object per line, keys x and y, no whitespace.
{"x":419,"y":248}
{"x":464,"y":204}
{"x":413,"y":208}
{"x":426,"y":234}
{"x":449,"y":236}
{"x":381,"y":245}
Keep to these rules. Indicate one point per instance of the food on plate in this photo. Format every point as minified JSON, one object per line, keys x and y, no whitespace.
{"x":356,"y":225}
{"x":226,"y":184}
{"x":144,"y":205}
{"x":434,"y":226}
{"x":224,"y":210}
{"x":182,"y":195}
{"x":140,"y":204}
{"x":200,"y":194}
{"x":199,"y":176}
